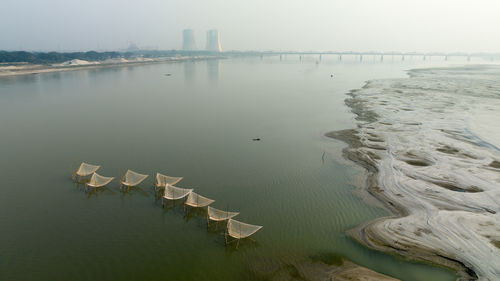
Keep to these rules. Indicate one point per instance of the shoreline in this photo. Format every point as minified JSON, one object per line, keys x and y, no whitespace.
{"x":367,"y":233}
{"x":323,"y":266}
{"x":32,"y":69}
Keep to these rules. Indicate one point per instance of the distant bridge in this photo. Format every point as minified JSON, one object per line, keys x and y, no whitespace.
{"x":381,"y":55}
{"x":321,"y":54}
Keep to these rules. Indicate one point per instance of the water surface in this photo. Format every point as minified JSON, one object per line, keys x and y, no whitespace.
{"x":197,"y":123}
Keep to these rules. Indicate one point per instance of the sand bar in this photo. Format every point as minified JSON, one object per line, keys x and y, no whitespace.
{"x":432,"y":163}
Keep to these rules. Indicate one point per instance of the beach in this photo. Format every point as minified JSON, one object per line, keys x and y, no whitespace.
{"x":429,"y":143}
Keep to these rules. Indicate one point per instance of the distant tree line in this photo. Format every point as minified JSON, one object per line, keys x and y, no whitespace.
{"x":55,"y":57}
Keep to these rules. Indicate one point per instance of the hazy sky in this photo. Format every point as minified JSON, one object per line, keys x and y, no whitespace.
{"x":358,"y":25}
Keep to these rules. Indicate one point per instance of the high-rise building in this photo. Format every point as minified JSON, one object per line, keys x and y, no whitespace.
{"x":188,"y":40}
{"x":213,"y":40}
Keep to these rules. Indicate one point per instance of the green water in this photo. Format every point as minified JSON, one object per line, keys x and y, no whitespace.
{"x":197,"y":123}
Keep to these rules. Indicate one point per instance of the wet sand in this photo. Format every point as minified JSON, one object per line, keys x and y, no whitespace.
{"x":324,"y":267}
{"x":428,"y":164}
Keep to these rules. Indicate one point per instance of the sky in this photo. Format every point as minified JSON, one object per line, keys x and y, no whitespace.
{"x":319,"y":25}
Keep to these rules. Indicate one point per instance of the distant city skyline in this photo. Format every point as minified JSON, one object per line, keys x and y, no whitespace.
{"x":320,"y":25}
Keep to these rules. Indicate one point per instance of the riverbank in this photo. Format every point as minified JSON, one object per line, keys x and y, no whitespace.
{"x":416,"y":139}
{"x":28,"y":69}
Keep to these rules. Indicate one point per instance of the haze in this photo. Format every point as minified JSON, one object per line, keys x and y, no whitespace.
{"x":357,"y":25}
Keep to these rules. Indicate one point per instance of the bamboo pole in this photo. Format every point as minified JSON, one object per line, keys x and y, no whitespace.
{"x":208,"y":221}
{"x":225,"y":237}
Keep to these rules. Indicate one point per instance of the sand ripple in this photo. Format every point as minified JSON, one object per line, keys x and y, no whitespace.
{"x":434,"y":142}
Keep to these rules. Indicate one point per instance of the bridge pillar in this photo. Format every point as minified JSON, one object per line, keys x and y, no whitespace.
{"x":445,"y":57}
{"x":381,"y":57}
{"x":320,"y":57}
{"x":300,"y":58}
{"x":281,"y":57}
{"x":424,"y":57}
{"x":468,"y":58}
{"x":340,"y":57}
{"x":403,"y":57}
{"x":360,"y":57}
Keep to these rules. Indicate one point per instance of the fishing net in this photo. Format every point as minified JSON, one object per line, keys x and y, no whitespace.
{"x":196,"y":200}
{"x":132,"y":178}
{"x":174,"y":193}
{"x":162,"y":180}
{"x":240,"y":230}
{"x":97,"y":180}
{"x":86,"y":169}
{"x":219,"y":215}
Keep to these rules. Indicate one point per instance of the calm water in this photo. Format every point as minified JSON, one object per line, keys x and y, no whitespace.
{"x":197,"y":123}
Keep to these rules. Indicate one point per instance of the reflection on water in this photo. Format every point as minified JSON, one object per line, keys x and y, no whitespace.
{"x":189,"y":71}
{"x":194,"y":72}
{"x":96,"y":192}
{"x":137,"y":118}
{"x":213,"y":70}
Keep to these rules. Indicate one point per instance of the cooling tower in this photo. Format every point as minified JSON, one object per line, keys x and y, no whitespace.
{"x":213,"y":41}
{"x":188,"y":40}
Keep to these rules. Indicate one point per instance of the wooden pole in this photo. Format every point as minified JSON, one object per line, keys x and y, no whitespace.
{"x":173,"y":196}
{"x":208,"y":221}
{"x":237,"y":244}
